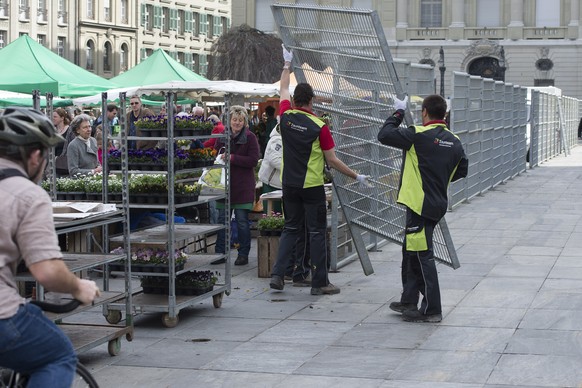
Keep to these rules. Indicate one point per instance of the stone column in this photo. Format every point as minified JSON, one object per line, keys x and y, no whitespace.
{"x":401,"y":19}
{"x":457,"y":27}
{"x":574,"y":19}
{"x":515,"y":27}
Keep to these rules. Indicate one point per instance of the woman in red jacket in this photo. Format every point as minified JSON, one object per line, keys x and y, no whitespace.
{"x":244,"y":156}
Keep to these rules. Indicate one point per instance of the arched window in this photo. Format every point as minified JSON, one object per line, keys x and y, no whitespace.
{"x":90,"y":51}
{"x":487,"y":67}
{"x":124,"y":58}
{"x":107,"y":57}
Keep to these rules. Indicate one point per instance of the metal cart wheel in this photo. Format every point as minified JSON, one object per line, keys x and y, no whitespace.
{"x":217,"y":300}
{"x":113,"y":316}
{"x":114,"y":346}
{"x":168,"y":321}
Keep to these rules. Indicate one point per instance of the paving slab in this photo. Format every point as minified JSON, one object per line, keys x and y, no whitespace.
{"x":512,"y":313}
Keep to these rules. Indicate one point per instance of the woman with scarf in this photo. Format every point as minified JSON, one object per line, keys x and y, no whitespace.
{"x":244,"y":156}
{"x":82,"y":150}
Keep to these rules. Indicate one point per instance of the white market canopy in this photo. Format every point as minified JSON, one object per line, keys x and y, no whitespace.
{"x":194,"y":90}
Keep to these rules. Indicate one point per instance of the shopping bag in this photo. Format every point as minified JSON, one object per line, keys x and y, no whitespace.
{"x":214,"y":177}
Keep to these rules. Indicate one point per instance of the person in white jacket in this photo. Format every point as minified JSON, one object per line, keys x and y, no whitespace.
{"x":270,"y":171}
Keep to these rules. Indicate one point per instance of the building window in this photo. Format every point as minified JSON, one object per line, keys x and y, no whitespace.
{"x":124,"y":58}
{"x":107,"y":10}
{"x":225,"y":24}
{"x":548,"y":13}
{"x":362,"y":4}
{"x":91,"y":9}
{"x":41,"y":39}
{"x":90,"y":52}
{"x":23,"y":10}
{"x":147,"y":17}
{"x":181,"y":22}
{"x":431,"y":13}
{"x":2,"y":39}
{"x":107,"y":57}
{"x":165,"y":19}
{"x":195,"y":24}
{"x":488,"y":13}
{"x":196,"y":63}
{"x":124,"y":18}
{"x":61,"y":42}
{"x":4,"y":8}
{"x":62,"y":12}
{"x":41,"y":14}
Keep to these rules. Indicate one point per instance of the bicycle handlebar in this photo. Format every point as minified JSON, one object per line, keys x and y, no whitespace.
{"x":57,"y":308}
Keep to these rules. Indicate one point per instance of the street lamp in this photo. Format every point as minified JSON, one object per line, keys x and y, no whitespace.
{"x":442,"y":69}
{"x":502,"y":66}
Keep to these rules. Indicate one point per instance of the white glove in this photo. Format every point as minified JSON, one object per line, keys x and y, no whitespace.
{"x":287,"y":55}
{"x":400,"y":104}
{"x":363,"y":181}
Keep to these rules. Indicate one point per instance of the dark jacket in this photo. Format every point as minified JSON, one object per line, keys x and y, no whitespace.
{"x":244,"y":150}
{"x":433,"y":157}
{"x":141,"y":144}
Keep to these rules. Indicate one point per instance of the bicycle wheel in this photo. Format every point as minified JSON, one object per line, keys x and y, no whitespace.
{"x":83,"y":378}
{"x":11,"y":379}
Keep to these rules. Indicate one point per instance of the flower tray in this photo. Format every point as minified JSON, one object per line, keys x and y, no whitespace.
{"x":163,"y":290}
{"x":161,"y":198}
{"x":270,"y":232}
{"x":192,"y":132}
{"x":72,"y":196}
{"x":137,"y":267}
{"x":152,"y":132}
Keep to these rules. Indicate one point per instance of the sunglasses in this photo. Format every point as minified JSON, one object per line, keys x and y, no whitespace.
{"x":134,"y":103}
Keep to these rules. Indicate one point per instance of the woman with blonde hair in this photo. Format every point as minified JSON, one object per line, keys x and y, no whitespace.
{"x":244,"y":156}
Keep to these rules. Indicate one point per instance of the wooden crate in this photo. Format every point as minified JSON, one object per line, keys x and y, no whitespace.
{"x":267,"y":248}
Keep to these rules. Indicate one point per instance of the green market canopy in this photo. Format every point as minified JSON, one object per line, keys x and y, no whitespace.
{"x":8,"y":98}
{"x":157,"y":68}
{"x":28,"y":66}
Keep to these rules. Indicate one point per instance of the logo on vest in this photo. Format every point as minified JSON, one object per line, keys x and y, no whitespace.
{"x":443,"y":143}
{"x":296,"y":127}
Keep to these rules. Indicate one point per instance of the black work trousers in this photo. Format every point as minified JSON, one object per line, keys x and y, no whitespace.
{"x":304,"y":208}
{"x":419,"y":274}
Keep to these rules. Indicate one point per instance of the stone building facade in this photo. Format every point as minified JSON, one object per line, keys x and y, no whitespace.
{"x":108,"y":37}
{"x":525,"y":42}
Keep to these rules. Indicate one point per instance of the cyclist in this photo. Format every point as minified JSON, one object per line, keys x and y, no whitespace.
{"x":29,"y":342}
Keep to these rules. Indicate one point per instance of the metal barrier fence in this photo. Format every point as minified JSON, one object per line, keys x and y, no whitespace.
{"x":344,"y":55}
{"x":490,"y":118}
{"x":553,"y":127}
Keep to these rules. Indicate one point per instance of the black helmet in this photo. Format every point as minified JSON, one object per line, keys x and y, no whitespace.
{"x":27,"y":126}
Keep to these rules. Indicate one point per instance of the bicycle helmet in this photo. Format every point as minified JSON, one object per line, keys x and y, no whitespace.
{"x":27,"y":126}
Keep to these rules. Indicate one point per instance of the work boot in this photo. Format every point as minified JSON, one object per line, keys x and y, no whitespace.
{"x":417,"y":316}
{"x":400,"y":307}
{"x":330,"y":289}
{"x":277,"y":282}
{"x":241,"y":260}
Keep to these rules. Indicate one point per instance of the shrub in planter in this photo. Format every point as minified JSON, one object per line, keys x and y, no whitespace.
{"x":275,"y":221}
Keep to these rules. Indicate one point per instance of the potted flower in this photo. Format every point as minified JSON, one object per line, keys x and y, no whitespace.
{"x":71,"y":189}
{"x":188,"y":283}
{"x":271,"y":225}
{"x":152,"y":125}
{"x":202,"y":157}
{"x":153,"y":259}
{"x":196,"y":282}
{"x":145,"y":188}
{"x":189,"y":125}
{"x":187,"y":192}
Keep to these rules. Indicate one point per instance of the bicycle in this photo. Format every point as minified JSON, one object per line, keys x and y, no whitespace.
{"x":83,"y":378}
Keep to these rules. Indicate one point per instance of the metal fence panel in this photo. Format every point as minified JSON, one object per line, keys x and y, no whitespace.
{"x":344,"y":55}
